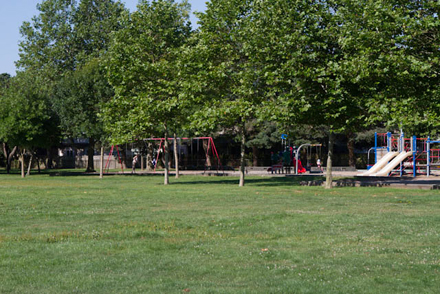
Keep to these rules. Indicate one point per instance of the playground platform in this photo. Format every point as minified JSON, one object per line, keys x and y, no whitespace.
{"x":425,"y":183}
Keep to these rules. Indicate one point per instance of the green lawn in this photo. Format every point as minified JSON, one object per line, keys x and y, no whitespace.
{"x":131,"y":234}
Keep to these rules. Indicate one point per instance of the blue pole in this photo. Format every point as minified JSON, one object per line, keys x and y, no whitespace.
{"x":402,"y":147}
{"x":375,"y":148}
{"x":414,"y":146}
{"x":428,"y":157}
{"x":402,"y":142}
{"x":389,"y":147}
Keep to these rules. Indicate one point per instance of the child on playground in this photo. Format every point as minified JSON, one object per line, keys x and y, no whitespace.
{"x":318,"y":163}
{"x":133,"y":164}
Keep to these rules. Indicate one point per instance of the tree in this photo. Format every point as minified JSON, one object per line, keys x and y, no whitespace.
{"x":224,"y":83}
{"x":408,"y":66}
{"x":7,"y":152}
{"x":25,"y":117}
{"x":290,"y":42}
{"x":48,"y":44}
{"x":69,"y":36}
{"x":143,"y":69}
{"x":333,"y":62}
{"x":79,"y":98}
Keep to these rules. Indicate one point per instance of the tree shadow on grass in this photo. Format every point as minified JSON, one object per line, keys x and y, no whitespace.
{"x":262,"y":181}
{"x":75,"y":173}
{"x":50,"y":172}
{"x":15,"y":172}
{"x":67,"y":173}
{"x":201,"y":180}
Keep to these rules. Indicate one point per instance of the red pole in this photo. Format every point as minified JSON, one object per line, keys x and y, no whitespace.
{"x":212,"y":147}
{"x":120,"y":161}
{"x":157,"y":158}
{"x":108,"y":159}
{"x":215,"y":149}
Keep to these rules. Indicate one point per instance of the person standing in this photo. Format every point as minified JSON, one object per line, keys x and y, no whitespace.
{"x":133,"y":164}
{"x":318,"y":163}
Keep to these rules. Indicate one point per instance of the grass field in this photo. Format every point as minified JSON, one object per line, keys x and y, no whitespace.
{"x":131,"y":234}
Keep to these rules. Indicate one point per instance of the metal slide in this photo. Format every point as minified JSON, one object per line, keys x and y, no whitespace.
{"x":395,"y":162}
{"x":380,"y":164}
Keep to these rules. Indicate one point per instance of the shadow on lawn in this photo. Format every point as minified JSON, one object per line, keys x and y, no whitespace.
{"x":15,"y":172}
{"x":201,"y":180}
{"x":50,"y":172}
{"x":71,"y":173}
{"x":263,"y":181}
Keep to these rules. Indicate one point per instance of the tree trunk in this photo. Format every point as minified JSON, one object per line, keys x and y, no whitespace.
{"x":29,"y":165}
{"x":207,"y":148}
{"x":142,"y":162}
{"x":5,"y":152}
{"x":150,"y":166}
{"x":38,"y":165}
{"x":255,"y":152}
{"x":22,"y":163}
{"x":350,"y":147}
{"x":328,"y":175}
{"x":8,"y":156}
{"x":242,"y":154}
{"x":49,"y":158}
{"x":101,"y":168}
{"x":90,"y":154}
{"x":166,"y":152}
{"x":176,"y":155}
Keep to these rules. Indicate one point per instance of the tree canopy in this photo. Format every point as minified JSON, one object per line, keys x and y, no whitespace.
{"x":143,"y":69}
{"x":64,"y":45}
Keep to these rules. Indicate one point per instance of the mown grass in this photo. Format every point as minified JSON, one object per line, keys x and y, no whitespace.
{"x":131,"y":234}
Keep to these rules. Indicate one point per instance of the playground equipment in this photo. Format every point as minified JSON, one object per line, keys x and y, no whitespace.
{"x":211,"y":146}
{"x":298,"y":165}
{"x":433,"y":155}
{"x":281,"y":161}
{"x":107,"y":167}
{"x":395,"y":154}
{"x":284,"y":161}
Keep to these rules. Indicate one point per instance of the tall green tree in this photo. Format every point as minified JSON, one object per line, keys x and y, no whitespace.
{"x":407,"y":68}
{"x":8,"y":151}
{"x":225,"y":83}
{"x":143,"y":69}
{"x":80,"y":96}
{"x":48,"y":44}
{"x":25,"y":116}
{"x":295,"y":43}
{"x":333,"y":62}
{"x":62,"y":44}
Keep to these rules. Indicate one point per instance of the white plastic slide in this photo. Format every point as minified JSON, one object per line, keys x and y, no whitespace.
{"x":395,"y":162}
{"x":380,"y":164}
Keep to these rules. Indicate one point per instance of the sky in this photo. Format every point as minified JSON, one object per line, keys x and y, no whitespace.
{"x":14,"y":12}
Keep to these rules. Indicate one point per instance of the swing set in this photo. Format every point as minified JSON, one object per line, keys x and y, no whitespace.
{"x":107,"y":166}
{"x":309,"y":149}
{"x":211,"y":147}
{"x":291,"y":157}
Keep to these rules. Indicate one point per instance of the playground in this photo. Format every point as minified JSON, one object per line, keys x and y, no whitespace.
{"x":395,"y":155}
{"x":394,"y":161}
